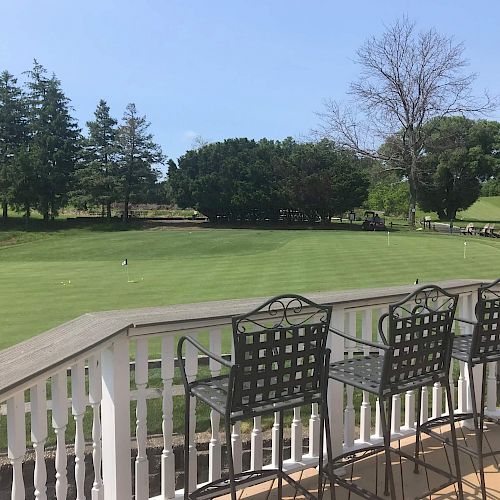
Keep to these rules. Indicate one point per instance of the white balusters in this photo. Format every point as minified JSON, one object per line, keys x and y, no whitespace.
{"x":296,"y":436}
{"x":39,"y":437}
{"x":275,"y":441}
{"x":256,"y":445}
{"x":365,"y":419}
{"x":336,"y":389}
{"x":167,"y":456}
{"x":378,"y":422}
{"x":16,"y":440}
{"x":437,"y":400}
{"x":214,"y":447}
{"x":349,"y":415}
{"x":191,"y":364}
{"x":491,"y":394}
{"x":424,"y":408}
{"x":78,"y":410}
{"x":462,"y":389}
{"x":396,"y":414}
{"x":314,"y":431}
{"x":59,"y":423}
{"x":410,"y":410}
{"x":95,"y":396}
{"x":236,"y":444}
{"x":141,"y":414}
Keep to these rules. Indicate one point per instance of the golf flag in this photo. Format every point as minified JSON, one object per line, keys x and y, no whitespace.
{"x":125,"y":262}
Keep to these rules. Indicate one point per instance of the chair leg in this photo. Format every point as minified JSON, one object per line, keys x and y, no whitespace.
{"x":187,"y":426}
{"x":417,"y":434}
{"x":389,"y":479}
{"x":230,"y":463}
{"x":280,"y":457}
{"x":329,"y":450}
{"x":320,"y":449}
{"x":451,"y":419}
{"x":477,"y":427}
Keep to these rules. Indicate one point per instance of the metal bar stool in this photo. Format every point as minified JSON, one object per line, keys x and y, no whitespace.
{"x":280,"y":362}
{"x":416,"y":353}
{"x":480,"y":348}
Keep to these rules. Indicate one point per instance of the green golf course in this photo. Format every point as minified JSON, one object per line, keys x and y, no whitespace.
{"x":47,"y":278}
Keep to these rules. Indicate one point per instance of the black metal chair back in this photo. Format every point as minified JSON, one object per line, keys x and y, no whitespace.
{"x":486,"y":336}
{"x":279,"y":354}
{"x":420,"y":335}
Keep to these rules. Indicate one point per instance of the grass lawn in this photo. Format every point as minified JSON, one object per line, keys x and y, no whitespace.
{"x":485,"y":209}
{"x":181,"y":266}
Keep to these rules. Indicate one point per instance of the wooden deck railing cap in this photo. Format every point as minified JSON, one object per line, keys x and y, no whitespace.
{"x":55,"y":348}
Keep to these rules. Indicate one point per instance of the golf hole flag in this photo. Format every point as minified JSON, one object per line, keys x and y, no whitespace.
{"x":125,"y":262}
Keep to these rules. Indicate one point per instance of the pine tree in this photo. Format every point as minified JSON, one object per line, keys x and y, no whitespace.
{"x":53,"y":141}
{"x":97,"y":176}
{"x":13,"y":135}
{"x":138,"y":154}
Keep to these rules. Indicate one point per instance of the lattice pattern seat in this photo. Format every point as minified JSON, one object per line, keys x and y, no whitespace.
{"x":416,"y":352}
{"x":280,"y":362}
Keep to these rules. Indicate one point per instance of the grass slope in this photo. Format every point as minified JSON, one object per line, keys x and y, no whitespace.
{"x":485,"y":210}
{"x":180,"y":266}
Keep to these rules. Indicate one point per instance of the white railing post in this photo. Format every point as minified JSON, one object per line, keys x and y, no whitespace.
{"x":349,"y":414}
{"x":95,"y":396}
{"x":256,"y":445}
{"x":296,"y":436}
{"x":275,"y":444}
{"x":16,"y":442}
{"x":214,"y":447}
{"x":336,"y":389}
{"x":314,"y":431}
{"x":38,"y":402}
{"x":491,"y":395}
{"x":141,"y":415}
{"x":191,"y":365}
{"x":115,"y":413}
{"x":167,"y":456}
{"x":59,"y":423}
{"x":365,"y":418}
{"x":78,"y":410}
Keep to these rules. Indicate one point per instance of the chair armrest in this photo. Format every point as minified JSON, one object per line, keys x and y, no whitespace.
{"x":376,"y":345}
{"x":201,"y":348}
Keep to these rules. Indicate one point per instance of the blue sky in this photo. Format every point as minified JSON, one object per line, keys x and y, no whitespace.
{"x":220,"y":68}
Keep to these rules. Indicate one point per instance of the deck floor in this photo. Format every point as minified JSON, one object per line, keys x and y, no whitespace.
{"x":414,"y":484}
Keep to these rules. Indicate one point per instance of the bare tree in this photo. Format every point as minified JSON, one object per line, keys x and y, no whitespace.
{"x":407,"y":78}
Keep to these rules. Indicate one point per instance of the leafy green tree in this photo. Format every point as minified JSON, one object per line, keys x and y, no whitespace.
{"x":97,"y":174}
{"x":388,"y":193}
{"x":491,"y":187}
{"x":459,"y":154}
{"x":13,"y":135}
{"x":137,"y":156}
{"x":53,"y":141}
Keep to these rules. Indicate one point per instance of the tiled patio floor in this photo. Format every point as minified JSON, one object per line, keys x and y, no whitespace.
{"x":414,"y":484}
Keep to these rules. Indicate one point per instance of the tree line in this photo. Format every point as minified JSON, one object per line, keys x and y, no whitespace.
{"x":265,"y":180}
{"x":46,"y":162}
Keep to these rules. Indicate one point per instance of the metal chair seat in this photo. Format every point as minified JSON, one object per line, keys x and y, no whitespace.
{"x":364,"y":373}
{"x":214,"y":393}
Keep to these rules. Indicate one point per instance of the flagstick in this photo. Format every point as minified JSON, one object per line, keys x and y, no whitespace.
{"x":388,"y":241}
{"x":128,"y":277}
{"x":465,"y":249}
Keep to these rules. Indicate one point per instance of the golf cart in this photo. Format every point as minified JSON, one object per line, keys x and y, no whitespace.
{"x":373,"y":221}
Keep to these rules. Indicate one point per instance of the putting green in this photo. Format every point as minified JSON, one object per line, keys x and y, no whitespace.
{"x":49,"y":280}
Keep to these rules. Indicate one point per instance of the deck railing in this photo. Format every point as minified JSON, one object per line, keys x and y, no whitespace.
{"x":85,"y":365}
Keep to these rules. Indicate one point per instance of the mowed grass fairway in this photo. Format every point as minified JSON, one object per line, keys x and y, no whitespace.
{"x":191,"y":265}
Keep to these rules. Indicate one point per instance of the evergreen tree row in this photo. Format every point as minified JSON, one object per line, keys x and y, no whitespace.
{"x":46,"y":162}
